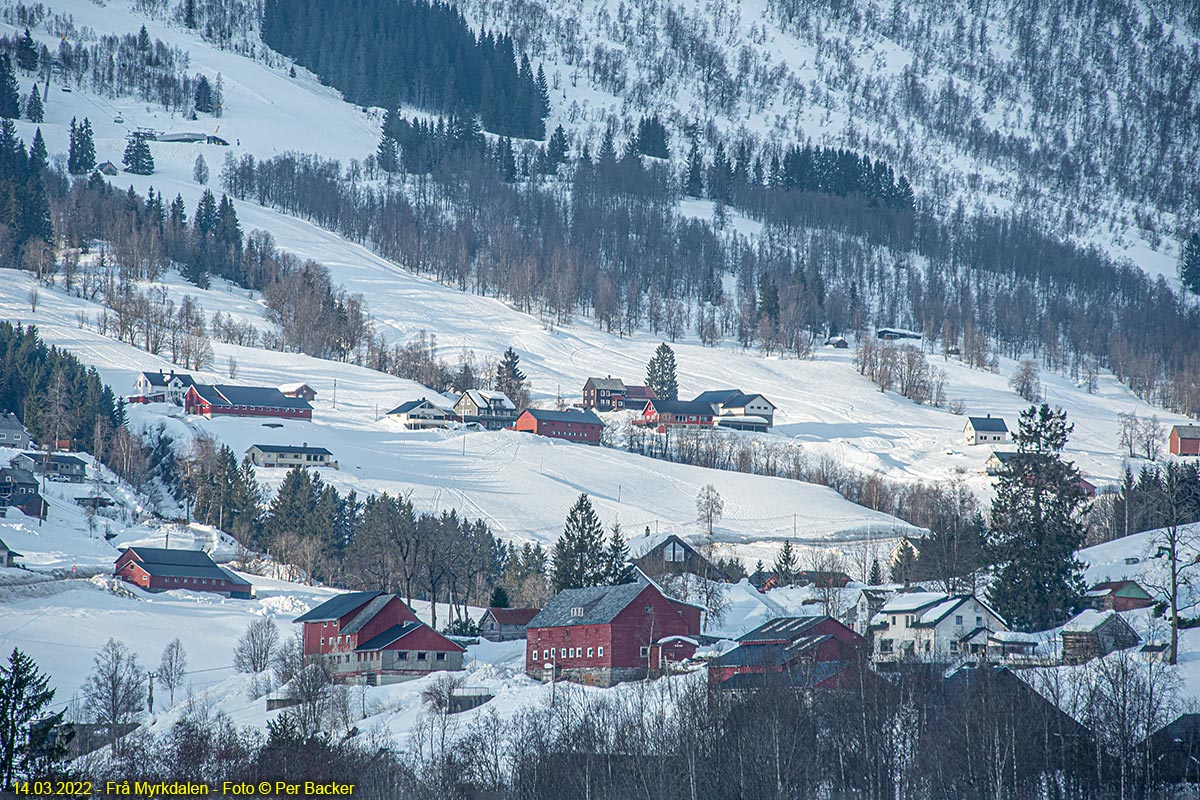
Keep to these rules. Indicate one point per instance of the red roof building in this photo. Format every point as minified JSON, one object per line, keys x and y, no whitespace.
{"x":1117,"y":596}
{"x":158,"y":569}
{"x":505,"y":624}
{"x":244,"y":401}
{"x":571,"y":426}
{"x":603,"y":635}
{"x":375,"y":638}
{"x":676,"y":413}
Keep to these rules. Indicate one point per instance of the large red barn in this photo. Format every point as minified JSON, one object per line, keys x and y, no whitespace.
{"x":571,"y":426}
{"x":787,"y":645}
{"x":244,"y":401}
{"x":158,"y":569}
{"x":375,"y":638}
{"x":604,"y":635}
{"x":1185,"y":440}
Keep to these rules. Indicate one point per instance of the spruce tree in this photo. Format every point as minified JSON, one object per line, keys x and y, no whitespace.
{"x":81,"y":150}
{"x":205,"y":219}
{"x":785,"y":565}
{"x":25,"y":694}
{"x":1036,"y":525}
{"x":660,"y":373}
{"x":10,"y":91}
{"x":617,"y":557}
{"x":200,"y":170}
{"x":27,"y":53}
{"x":556,"y":149}
{"x":543,"y":91}
{"x":39,"y":158}
{"x":876,"y":576}
{"x":138,"y":158}
{"x":204,"y":96}
{"x":509,"y":378}
{"x":694,"y":182}
{"x":580,"y":557}
{"x":1189,"y":264}
{"x":499,"y":598}
{"x":652,"y":138}
{"x":34,"y":110}
{"x":386,"y":155}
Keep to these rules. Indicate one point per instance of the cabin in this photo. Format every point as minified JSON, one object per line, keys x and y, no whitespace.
{"x":56,"y":466}
{"x":19,"y":489}
{"x":161,"y":387}
{"x":572,"y":425}
{"x":375,"y":639}
{"x":300,"y":390}
{"x":505,"y":624}
{"x":1125,"y":595}
{"x":997,"y":461}
{"x":667,"y":554}
{"x":1093,"y":634}
{"x":493,"y":410}
{"x":283,"y":455}
{"x":739,"y":411}
{"x":107,"y":168}
{"x":663,"y":414}
{"x":13,"y":433}
{"x":158,"y":569}
{"x":785,"y":645}
{"x":985,"y":430}
{"x":837,"y":342}
{"x":1184,"y":440}
{"x":605,"y":635}
{"x":422,"y":414}
{"x":933,"y":626}
{"x":244,"y":401}
{"x":896,"y":334}
{"x":8,"y":556}
{"x":605,"y":394}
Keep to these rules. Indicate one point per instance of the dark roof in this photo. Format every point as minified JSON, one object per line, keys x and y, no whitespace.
{"x":18,"y":476}
{"x":638,"y":392}
{"x":290,"y":448}
{"x":10,"y":551}
{"x":729,"y":398}
{"x":182,"y":564}
{"x":513,"y":616}
{"x":1185,"y":729}
{"x":1187,"y":431}
{"x":989,"y":424}
{"x":9,"y":422}
{"x":752,"y":655}
{"x":787,"y":628}
{"x":600,"y":605}
{"x":405,"y":407}
{"x":1003,"y":456}
{"x":161,"y":378}
{"x":681,"y":407}
{"x":805,"y":676}
{"x":390,"y":635}
{"x":267,"y":396}
{"x":610,"y":383}
{"x":337,"y":607}
{"x":585,"y":416}
{"x":56,"y":458}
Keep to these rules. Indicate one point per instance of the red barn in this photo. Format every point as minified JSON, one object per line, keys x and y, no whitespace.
{"x":1185,"y":440}
{"x":789,"y":645}
{"x":244,"y":401}
{"x":572,"y":426}
{"x":676,"y":413}
{"x":603,"y":635}
{"x":375,"y":638}
{"x":158,"y":570}
{"x":1117,"y":596}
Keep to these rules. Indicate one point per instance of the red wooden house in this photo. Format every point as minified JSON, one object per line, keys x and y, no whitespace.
{"x":676,"y":413}
{"x":1117,"y":596}
{"x":244,"y":401}
{"x":571,"y":426}
{"x":790,"y":646}
{"x":159,"y":569}
{"x":375,"y":638}
{"x":1185,"y":440}
{"x":603,"y":635}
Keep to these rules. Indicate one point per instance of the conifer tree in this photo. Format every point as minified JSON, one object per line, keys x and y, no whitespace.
{"x":876,"y":576}
{"x":556,"y":149}
{"x":1036,"y":525}
{"x":785,"y":565}
{"x":660,"y":373}
{"x":693,"y":185}
{"x":580,"y":557}
{"x":617,"y":555}
{"x":1189,"y":264}
{"x":25,"y":694}
{"x":652,"y":138}
{"x":34,"y":110}
{"x":543,"y":93}
{"x":511,"y":380}
{"x":205,"y":219}
{"x":204,"y":96}
{"x":10,"y":91}
{"x":386,"y":155}
{"x":200,"y":170}
{"x":27,"y":53}
{"x":81,"y":151}
{"x":39,"y":158}
{"x":138,"y":158}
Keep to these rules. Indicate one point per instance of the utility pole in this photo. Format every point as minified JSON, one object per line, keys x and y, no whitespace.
{"x":150,"y":696}
{"x":335,"y":394}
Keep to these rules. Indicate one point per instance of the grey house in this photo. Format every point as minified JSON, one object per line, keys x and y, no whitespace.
{"x":56,"y":466}
{"x":493,"y":410}
{"x":12,"y":432}
{"x":8,"y":556}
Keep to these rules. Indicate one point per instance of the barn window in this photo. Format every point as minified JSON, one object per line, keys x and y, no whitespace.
{"x":402,"y":655}
{"x":958,"y":620}
{"x":422,"y":656}
{"x":441,"y":656}
{"x":562,"y":652}
{"x":644,"y":651}
{"x":590,"y":650}
{"x":600,"y":652}
{"x":322,"y":641}
{"x":577,"y":611}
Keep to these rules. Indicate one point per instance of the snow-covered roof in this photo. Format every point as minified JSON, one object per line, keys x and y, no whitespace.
{"x":912,"y":601}
{"x":293,"y":387}
{"x":1087,"y":621}
{"x":485,"y":398}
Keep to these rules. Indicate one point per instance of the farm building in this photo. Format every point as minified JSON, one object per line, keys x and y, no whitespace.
{"x":1092,"y":634}
{"x":422,"y":414}
{"x":283,"y":455}
{"x":244,"y":401}
{"x":505,"y":624}
{"x":376,"y":639}
{"x":985,"y":430}
{"x":604,"y":635}
{"x":1185,"y":440}
{"x":580,"y":425}
{"x":158,"y":569}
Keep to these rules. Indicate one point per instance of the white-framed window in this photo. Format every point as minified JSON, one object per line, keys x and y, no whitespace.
{"x":562,"y":652}
{"x":577,"y":611}
{"x":958,"y":620}
{"x":322,"y":641}
{"x":422,"y":656}
{"x":600,"y":651}
{"x":979,"y":622}
{"x":441,"y":657}
{"x":644,"y":651}
{"x":590,"y":651}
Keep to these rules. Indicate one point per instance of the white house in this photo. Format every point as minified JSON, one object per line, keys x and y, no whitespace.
{"x":421,"y":414}
{"x":985,"y":430}
{"x":733,"y":408}
{"x":933,"y":626}
{"x":493,"y":410}
{"x":284,"y":455}
{"x":168,"y":387}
